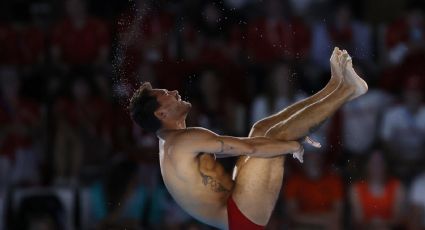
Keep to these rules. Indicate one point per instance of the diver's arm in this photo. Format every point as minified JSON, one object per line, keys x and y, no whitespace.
{"x":199,"y":140}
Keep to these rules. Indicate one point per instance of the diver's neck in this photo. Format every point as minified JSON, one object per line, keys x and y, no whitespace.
{"x":181,"y":124}
{"x":170,"y":126}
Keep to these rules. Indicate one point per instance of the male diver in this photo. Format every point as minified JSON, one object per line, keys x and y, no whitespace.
{"x":200,"y":185}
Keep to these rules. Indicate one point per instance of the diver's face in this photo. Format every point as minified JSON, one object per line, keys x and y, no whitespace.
{"x":171,"y":104}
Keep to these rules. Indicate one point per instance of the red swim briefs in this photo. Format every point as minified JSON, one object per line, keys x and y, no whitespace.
{"x":237,"y":220}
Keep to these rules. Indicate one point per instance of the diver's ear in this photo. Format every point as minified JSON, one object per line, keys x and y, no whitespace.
{"x":161,"y":114}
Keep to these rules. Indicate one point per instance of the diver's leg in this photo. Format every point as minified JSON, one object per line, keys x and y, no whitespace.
{"x":263,"y":125}
{"x":309,"y":118}
{"x":260,"y":176}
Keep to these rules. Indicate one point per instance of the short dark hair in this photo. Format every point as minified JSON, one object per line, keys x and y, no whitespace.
{"x":142,"y":107}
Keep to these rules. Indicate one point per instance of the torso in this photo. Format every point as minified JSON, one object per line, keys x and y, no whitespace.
{"x":197,"y":183}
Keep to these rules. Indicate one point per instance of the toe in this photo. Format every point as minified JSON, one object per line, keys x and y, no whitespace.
{"x":345,"y":58}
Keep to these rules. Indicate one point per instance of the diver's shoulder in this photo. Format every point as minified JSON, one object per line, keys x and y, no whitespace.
{"x":167,"y":134}
{"x":197,"y":132}
{"x":197,"y":129}
{"x":188,"y":135}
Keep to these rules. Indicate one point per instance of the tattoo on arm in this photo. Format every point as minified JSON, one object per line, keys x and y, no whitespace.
{"x":222,"y":146}
{"x":213,"y":183}
{"x":225,"y":147}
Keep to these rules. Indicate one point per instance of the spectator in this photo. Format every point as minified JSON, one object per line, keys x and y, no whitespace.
{"x":83,"y":133}
{"x":360,"y":125}
{"x":314,"y":197}
{"x":80,"y":39}
{"x":211,"y":89}
{"x":406,"y":34}
{"x":377,"y":202}
{"x":417,"y":203}
{"x":361,"y":119}
{"x":277,"y":94}
{"x":19,"y":125}
{"x":275,"y":37}
{"x":343,"y":31}
{"x":119,"y":200}
{"x":403,"y":130}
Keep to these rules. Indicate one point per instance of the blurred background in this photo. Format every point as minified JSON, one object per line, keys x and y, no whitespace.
{"x":71,"y":158}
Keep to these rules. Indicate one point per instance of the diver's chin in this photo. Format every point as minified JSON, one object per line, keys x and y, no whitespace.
{"x":187,"y":104}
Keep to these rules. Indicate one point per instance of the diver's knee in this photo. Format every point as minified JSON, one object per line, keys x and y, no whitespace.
{"x":280,"y":134}
{"x":258,"y":129}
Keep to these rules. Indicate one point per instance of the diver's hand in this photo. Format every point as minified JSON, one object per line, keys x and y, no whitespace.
{"x":312,"y":142}
{"x":299,"y":154}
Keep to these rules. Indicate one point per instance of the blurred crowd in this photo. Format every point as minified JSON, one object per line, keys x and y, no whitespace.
{"x":71,"y":158}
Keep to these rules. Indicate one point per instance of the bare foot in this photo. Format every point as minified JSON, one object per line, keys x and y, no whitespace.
{"x":336,"y":74}
{"x":351,"y":77}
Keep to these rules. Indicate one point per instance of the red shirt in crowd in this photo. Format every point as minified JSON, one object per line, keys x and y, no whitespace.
{"x":314,"y":196}
{"x":81,"y":45}
{"x":268,"y":40}
{"x":271,"y":40}
{"x":17,"y":120}
{"x":382,"y":206}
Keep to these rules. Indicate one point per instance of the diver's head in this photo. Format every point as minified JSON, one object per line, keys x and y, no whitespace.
{"x":152,"y":108}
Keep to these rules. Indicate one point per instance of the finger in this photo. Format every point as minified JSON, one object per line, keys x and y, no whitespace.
{"x":301,"y":156}
{"x":296,"y":155}
{"x":312,"y":142}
